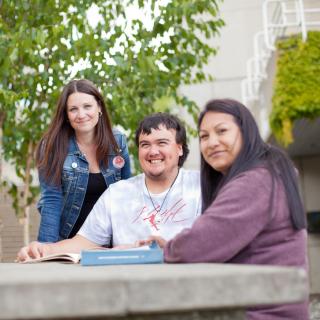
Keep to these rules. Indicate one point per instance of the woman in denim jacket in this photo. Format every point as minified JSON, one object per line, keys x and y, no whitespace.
{"x":77,"y":158}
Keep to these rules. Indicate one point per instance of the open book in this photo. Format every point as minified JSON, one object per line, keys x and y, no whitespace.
{"x":57,"y":257}
{"x":138,"y":255}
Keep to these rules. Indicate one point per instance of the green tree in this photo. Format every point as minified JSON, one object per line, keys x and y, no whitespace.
{"x":137,"y":52}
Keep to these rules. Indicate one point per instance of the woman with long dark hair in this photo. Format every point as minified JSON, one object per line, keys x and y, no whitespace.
{"x":252,"y":212}
{"x":77,"y":158}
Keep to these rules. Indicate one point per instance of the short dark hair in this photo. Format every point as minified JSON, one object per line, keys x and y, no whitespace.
{"x":254,"y":152}
{"x":155,"y":120}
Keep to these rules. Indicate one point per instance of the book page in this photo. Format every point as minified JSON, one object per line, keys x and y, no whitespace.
{"x":59,"y":257}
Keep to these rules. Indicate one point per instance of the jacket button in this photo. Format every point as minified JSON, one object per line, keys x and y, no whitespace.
{"x":74,"y":165}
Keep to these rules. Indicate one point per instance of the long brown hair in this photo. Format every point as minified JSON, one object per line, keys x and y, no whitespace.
{"x":53,"y":147}
{"x":254,"y":153}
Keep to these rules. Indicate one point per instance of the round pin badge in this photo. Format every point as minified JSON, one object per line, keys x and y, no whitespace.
{"x":74,"y":165}
{"x":118,"y":162}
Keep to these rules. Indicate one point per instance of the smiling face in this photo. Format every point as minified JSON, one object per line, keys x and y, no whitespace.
{"x":159,"y":154}
{"x":220,"y":140}
{"x":83,"y":112}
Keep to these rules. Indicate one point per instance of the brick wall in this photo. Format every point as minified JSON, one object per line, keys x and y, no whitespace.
{"x":11,"y":233}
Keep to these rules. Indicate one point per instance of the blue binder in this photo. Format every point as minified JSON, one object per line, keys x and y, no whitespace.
{"x":151,"y":254}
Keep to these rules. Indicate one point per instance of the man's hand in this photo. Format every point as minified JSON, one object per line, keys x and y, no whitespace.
{"x":160,"y":241}
{"x":33,"y":251}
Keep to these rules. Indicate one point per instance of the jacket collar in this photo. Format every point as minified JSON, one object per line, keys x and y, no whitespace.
{"x":73,"y":147}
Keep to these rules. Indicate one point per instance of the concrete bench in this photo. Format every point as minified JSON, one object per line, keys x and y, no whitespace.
{"x":182,"y":291}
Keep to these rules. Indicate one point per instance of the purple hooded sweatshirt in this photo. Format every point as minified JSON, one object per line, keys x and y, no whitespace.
{"x":243,"y":226}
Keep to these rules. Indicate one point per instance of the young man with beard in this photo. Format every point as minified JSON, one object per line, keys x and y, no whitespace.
{"x":163,"y":200}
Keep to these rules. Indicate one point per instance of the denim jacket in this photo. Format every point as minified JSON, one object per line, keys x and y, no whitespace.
{"x":60,"y":206}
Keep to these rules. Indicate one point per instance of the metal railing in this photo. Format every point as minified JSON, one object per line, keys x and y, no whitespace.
{"x":279,"y":18}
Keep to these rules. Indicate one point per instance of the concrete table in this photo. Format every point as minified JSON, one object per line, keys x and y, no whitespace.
{"x":183,"y":291}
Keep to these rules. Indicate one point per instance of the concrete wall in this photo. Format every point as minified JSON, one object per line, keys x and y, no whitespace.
{"x":144,"y":292}
{"x":309,"y":168}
